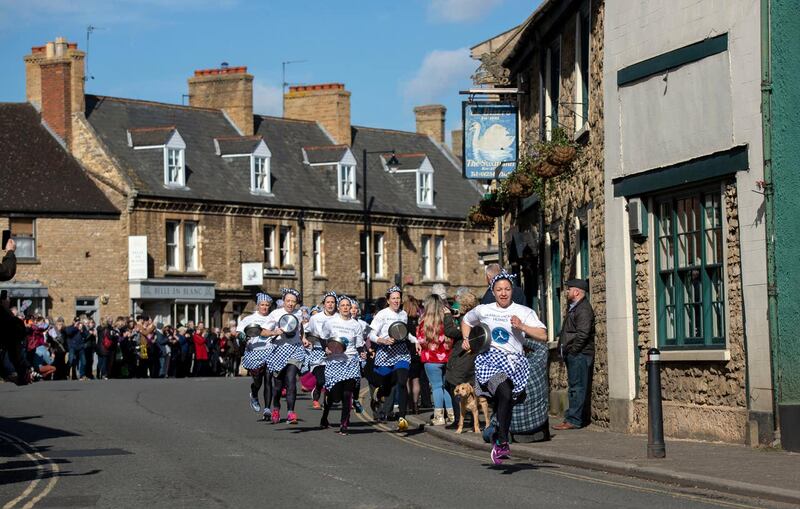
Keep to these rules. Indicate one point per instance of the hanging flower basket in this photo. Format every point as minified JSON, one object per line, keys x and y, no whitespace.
{"x":478,"y":218}
{"x":547,"y":170}
{"x":492,"y":206}
{"x":519,"y":185}
{"x":562,"y":155}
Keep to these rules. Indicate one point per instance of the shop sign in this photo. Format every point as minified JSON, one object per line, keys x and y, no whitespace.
{"x":166,"y":291}
{"x":252,"y":274}
{"x":490,"y":139}
{"x":137,"y":257}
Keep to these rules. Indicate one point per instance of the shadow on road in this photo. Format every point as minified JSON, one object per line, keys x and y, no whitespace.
{"x":513,"y":468}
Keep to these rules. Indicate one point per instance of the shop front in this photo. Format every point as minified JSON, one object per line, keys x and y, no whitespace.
{"x":173,"y":301}
{"x":29,"y":297}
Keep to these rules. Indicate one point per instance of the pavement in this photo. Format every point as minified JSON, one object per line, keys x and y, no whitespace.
{"x":195,"y":443}
{"x":752,"y":472}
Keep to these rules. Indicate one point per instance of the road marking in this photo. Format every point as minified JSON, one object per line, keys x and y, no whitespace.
{"x":570,"y":475}
{"x":40,"y":461}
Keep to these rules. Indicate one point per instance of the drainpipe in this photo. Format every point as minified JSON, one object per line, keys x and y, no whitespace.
{"x":301,"y":225}
{"x":769,"y":204}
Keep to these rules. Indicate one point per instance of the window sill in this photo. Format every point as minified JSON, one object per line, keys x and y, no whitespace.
{"x":28,"y":261}
{"x":320,"y":277}
{"x":181,"y":273}
{"x":265,"y":194}
{"x":695,"y":355}
{"x":582,"y":136}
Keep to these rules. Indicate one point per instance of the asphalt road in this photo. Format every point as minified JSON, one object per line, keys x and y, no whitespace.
{"x":196,"y":443}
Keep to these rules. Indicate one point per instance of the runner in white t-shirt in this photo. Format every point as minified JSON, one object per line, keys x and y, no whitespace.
{"x":316,"y":352}
{"x":256,"y":352}
{"x":502,"y":371}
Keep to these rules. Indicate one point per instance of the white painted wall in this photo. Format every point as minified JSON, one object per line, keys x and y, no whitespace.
{"x":709,"y":105}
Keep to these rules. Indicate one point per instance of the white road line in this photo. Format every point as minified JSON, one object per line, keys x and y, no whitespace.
{"x":40,"y":462}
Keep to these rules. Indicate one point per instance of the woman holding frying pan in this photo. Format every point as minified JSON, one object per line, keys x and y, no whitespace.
{"x":256,"y":352}
{"x":314,"y":331}
{"x":288,"y":353}
{"x":345,"y":349}
{"x":392,"y":357}
{"x":502,"y":369}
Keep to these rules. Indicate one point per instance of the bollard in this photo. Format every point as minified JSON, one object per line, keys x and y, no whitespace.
{"x":655,"y":419}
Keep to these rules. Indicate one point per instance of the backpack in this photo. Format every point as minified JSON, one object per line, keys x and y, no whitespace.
{"x":107,"y":342}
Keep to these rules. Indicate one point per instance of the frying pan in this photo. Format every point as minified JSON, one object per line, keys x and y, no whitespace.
{"x":398,"y":331}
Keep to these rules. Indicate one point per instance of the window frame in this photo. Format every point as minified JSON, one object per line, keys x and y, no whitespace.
{"x":583,"y":24}
{"x":669,"y":280}
{"x":550,"y":111}
{"x":423,"y":178}
{"x":193,"y":251}
{"x":378,"y":257}
{"x":439,"y":268}
{"x":426,"y":242}
{"x":181,"y":167}
{"x":172,"y":245}
{"x":346,"y":174}
{"x":269,"y":247}
{"x":365,"y":262}
{"x":286,"y":253}
{"x":181,"y":248}
{"x":266,"y":171}
{"x":22,"y":240}
{"x":316,"y":246}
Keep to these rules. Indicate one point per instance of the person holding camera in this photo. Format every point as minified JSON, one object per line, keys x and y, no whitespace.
{"x":76,"y":335}
{"x":8,"y":267}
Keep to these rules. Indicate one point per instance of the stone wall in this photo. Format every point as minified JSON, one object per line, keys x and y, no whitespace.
{"x":705,"y":400}
{"x":575,"y":194}
{"x":78,"y":258}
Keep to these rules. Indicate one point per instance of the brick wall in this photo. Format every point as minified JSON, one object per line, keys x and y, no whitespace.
{"x":328,"y":104}
{"x":79,"y":258}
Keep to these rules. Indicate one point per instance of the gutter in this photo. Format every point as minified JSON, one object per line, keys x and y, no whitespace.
{"x":769,"y":201}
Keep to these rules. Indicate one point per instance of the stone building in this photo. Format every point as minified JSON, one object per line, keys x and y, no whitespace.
{"x":555,"y":58}
{"x":685,"y":233}
{"x":208,"y":189}
{"x":67,"y":232}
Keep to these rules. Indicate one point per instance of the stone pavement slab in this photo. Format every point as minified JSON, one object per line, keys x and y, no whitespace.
{"x":762,"y":473}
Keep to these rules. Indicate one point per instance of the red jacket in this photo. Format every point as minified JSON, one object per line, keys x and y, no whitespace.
{"x":200,"y":349}
{"x":437,"y":351}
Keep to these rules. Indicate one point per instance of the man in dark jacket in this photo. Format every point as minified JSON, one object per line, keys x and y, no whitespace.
{"x":576,"y":345}
{"x":8,"y":267}
{"x":517,"y":294}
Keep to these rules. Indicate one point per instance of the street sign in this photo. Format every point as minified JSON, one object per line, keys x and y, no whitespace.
{"x":491,"y":138}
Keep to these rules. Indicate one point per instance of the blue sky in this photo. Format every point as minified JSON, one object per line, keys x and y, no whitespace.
{"x":392,"y":55}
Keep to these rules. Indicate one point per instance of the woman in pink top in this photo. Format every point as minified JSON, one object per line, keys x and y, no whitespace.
{"x":434,"y":349}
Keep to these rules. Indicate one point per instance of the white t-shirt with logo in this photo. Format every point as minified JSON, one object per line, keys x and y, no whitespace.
{"x":379,"y":328}
{"x":272,"y":324}
{"x":349,"y":331}
{"x":316,"y":325}
{"x":498,"y":319}
{"x":256,"y":342}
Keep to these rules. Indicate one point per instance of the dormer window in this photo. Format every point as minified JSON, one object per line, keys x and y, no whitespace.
{"x":425,"y":188}
{"x":175,"y":168}
{"x":347,"y":182}
{"x":261,"y":176}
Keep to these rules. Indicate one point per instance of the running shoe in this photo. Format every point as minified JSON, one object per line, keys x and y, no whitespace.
{"x":267,"y":416}
{"x":254,"y":404}
{"x":358,"y":407}
{"x":402,"y":424}
{"x":316,"y":405}
{"x":343,"y":430}
{"x":291,"y":418}
{"x":505,"y":451}
{"x":276,"y":416}
{"x":323,"y":423}
{"x":496,"y":454}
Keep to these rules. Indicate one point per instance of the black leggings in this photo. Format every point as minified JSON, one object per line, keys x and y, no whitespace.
{"x":503,"y":404}
{"x":287,"y":377}
{"x":341,"y":392}
{"x":396,"y":379}
{"x":262,"y":378}
{"x":319,"y":374}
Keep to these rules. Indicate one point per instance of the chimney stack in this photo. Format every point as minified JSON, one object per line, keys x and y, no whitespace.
{"x":328,"y":104}
{"x":430,"y":121}
{"x":227,"y":88}
{"x":54,"y":83}
{"x":457,"y":142}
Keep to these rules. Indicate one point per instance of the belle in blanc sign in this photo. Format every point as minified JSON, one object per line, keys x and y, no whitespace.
{"x":490,"y":139}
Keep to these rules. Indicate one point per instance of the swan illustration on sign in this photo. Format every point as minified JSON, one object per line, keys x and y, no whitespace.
{"x":493,"y":144}
{"x":490,"y":139}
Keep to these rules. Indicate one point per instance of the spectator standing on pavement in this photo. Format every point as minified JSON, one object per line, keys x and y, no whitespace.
{"x":8,"y":266}
{"x":200,"y":351}
{"x":75,"y":339}
{"x":434,"y":349}
{"x":412,"y":307}
{"x":576,"y":344}
{"x":517,"y":295}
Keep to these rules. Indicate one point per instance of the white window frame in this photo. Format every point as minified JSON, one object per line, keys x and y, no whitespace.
{"x":580,"y":122}
{"x":425,"y":257}
{"x":425,"y":188}
{"x":260,"y":165}
{"x":377,"y":255}
{"x":191,"y":246}
{"x":23,"y":241}
{"x":176,"y":145}
{"x":346,"y":181}
{"x":173,"y":245}
{"x":269,"y":250}
{"x":316,"y":242}
{"x":285,"y":240}
{"x":438,"y":257}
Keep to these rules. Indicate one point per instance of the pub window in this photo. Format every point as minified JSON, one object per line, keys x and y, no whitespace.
{"x":23,"y":231}
{"x":690,"y":289}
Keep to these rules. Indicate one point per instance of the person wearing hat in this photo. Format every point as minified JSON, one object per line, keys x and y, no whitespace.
{"x":256,"y":352}
{"x":392,"y":357}
{"x":576,"y":344}
{"x":316,"y":352}
{"x":286,"y":357}
{"x":502,"y":371}
{"x":343,"y":371}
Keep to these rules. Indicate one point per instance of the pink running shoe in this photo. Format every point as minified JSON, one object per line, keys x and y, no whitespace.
{"x":497,"y":454}
{"x":291,"y":418}
{"x":276,"y":416}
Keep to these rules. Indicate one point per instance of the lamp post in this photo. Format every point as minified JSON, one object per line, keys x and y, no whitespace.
{"x":393,"y":164}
